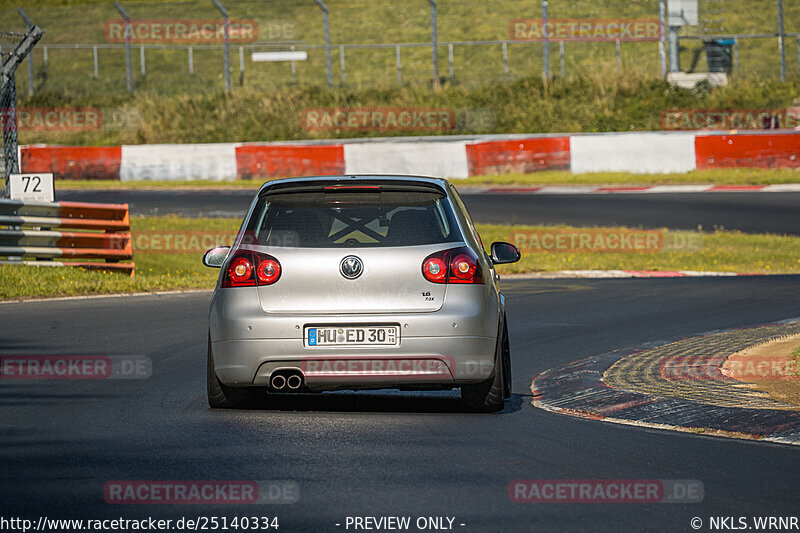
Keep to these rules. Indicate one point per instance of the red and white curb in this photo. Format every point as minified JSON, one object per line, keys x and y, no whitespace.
{"x":446,"y":156}
{"x":617,"y":274}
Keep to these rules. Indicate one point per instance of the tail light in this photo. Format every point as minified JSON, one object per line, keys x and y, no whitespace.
{"x":268,"y":270}
{"x":251,"y":269}
{"x":457,"y":265}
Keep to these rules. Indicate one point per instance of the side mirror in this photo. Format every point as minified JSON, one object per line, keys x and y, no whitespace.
{"x":503,"y":252}
{"x":215,"y":257}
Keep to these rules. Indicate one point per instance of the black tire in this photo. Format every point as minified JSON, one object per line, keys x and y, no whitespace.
{"x":506,"y":362}
{"x":489,"y":396}
{"x":221,"y":396}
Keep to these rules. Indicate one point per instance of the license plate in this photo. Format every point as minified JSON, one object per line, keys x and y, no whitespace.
{"x":353,"y":336}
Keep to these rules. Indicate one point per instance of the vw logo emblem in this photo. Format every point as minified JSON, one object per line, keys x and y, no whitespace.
{"x":351,"y":267}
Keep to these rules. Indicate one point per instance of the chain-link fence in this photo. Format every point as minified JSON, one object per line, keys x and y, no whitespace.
{"x":14,"y":47}
{"x":178,"y":47}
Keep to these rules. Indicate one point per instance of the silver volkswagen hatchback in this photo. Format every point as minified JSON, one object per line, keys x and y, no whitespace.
{"x":358,"y":282}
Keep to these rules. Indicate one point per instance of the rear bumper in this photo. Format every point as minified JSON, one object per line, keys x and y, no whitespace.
{"x":442,"y":349}
{"x":421,"y":361}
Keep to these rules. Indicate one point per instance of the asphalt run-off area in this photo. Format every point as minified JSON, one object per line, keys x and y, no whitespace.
{"x":365,"y":453}
{"x":751,"y":212}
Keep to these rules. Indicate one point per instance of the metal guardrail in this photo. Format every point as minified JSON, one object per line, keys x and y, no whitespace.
{"x":26,"y":231}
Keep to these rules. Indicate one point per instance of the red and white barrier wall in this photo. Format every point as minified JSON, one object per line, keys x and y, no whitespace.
{"x":452,"y":157}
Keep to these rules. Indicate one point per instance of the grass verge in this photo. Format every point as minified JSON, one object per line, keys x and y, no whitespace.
{"x":593,"y":103}
{"x":770,"y":368}
{"x":737,"y":176}
{"x":720,"y":251}
{"x":796,"y":357}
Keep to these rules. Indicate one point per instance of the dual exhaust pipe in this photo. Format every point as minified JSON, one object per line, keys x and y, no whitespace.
{"x":286,"y":380}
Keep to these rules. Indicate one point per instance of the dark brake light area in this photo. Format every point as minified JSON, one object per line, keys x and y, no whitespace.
{"x":456,"y":265}
{"x":351,"y":187}
{"x":251,"y":269}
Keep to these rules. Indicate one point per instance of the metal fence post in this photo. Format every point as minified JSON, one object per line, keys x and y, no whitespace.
{"x":781,"y":43}
{"x":191,"y":61}
{"x":28,"y":26}
{"x":8,"y":99}
{"x":561,"y":58}
{"x":241,"y":66}
{"x":662,"y":45}
{"x":505,"y":58}
{"x":294,"y":66}
{"x":94,"y":62}
{"x":399,"y":64}
{"x":128,"y":66}
{"x":226,"y":44}
{"x":142,"y":64}
{"x":434,"y":44}
{"x":546,"y":43}
{"x":618,"y":48}
{"x":450,"y":61}
{"x":674,"y":56}
{"x":327,"y":30}
{"x":341,"y":63}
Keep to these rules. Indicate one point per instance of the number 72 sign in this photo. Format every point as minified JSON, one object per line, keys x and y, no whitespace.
{"x":31,"y":187}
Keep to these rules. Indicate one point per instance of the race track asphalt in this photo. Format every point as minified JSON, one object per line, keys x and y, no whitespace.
{"x":379,"y":453}
{"x":749,"y":212}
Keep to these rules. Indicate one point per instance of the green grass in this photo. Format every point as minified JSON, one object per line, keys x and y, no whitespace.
{"x":796,"y":357}
{"x":380,"y":21}
{"x":171,"y":106}
{"x":734,"y":176}
{"x":722,"y":251}
{"x":528,"y":105}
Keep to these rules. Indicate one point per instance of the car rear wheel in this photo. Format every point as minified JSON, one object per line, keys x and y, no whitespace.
{"x":221,"y":396}
{"x":489,"y":396}
{"x":506,"y":362}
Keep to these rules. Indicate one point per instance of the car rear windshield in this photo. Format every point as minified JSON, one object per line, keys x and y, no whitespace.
{"x":332,"y":217}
